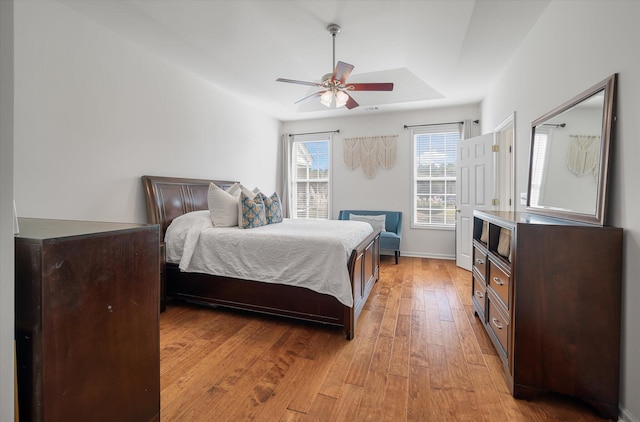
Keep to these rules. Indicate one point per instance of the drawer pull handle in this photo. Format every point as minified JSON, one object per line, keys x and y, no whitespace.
{"x":479,"y":261}
{"x":479,"y":294}
{"x":498,"y":281}
{"x":496,"y":323}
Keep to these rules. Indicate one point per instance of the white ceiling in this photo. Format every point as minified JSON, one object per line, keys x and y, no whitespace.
{"x":436,"y":52}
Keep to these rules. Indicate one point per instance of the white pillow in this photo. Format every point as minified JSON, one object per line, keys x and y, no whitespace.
{"x":223,"y":205}
{"x":377,"y":221}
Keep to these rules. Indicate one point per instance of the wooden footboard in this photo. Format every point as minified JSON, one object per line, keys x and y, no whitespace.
{"x":169,"y":197}
{"x":364,"y":272}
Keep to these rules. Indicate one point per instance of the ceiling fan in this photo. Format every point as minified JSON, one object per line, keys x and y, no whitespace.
{"x":334,"y":85}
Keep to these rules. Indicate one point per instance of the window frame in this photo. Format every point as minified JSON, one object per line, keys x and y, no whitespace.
{"x":293,"y":174}
{"x":431,"y":129}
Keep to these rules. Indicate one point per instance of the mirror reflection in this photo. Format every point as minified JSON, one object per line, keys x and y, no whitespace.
{"x":566,"y":158}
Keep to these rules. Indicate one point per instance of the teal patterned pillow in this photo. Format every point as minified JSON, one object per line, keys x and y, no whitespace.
{"x":252,"y":211}
{"x":272,"y":208}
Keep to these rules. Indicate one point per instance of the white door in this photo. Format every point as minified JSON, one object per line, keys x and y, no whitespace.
{"x":474,"y":190}
{"x":505,"y":164}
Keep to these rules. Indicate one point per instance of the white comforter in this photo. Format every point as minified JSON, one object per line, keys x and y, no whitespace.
{"x":305,"y":253}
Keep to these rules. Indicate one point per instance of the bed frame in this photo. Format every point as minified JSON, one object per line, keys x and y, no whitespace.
{"x":170,"y":197}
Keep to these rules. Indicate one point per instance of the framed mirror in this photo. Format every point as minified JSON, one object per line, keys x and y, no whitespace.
{"x":569,"y":158}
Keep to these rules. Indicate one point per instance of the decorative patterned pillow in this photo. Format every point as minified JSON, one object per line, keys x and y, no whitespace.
{"x":252,"y":211}
{"x":249,"y":194}
{"x":272,"y":208}
{"x":223,"y":205}
{"x":377,"y":221}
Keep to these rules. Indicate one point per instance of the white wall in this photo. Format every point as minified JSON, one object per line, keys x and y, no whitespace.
{"x":390,"y":189}
{"x":94,"y":112}
{"x":6,"y":211}
{"x":574,"y":45}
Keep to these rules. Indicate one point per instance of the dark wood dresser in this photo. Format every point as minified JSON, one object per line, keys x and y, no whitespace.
{"x":87,"y":321}
{"x":548,"y":292}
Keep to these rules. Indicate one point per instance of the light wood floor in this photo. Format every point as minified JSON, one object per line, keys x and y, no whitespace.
{"x":419,"y":355}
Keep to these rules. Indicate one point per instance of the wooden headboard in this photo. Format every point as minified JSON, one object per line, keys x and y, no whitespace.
{"x":170,"y":197}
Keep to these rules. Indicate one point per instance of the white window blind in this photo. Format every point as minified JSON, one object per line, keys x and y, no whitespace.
{"x":539,"y":158}
{"x":310,"y":176}
{"x":434,"y":175}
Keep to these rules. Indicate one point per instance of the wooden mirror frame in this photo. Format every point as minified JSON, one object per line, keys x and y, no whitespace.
{"x":608,"y":122}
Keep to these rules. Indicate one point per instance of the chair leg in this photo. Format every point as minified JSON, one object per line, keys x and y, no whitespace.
{"x":397,"y":254}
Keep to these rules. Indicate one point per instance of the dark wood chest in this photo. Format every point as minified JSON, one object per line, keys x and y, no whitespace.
{"x":548,"y":292}
{"x":87,"y":321}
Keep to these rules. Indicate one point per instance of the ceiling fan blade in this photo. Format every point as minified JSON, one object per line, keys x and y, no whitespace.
{"x":293,"y":81}
{"x":308,"y":97}
{"x":382,"y":86}
{"x":342,"y":72}
{"x":351,"y":103}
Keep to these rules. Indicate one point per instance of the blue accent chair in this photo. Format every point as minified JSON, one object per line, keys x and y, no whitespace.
{"x":389,"y":239}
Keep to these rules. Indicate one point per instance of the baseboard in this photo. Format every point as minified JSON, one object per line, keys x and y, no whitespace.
{"x":626,"y":416}
{"x":423,"y":255}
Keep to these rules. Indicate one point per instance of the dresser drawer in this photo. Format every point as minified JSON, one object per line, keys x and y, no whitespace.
{"x":480,"y":261}
{"x":500,"y":282}
{"x":480,"y":294}
{"x":499,"y":325}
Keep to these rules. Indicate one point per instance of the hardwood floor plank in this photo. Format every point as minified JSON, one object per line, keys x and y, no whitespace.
{"x":316,"y":371}
{"x":439,"y":375}
{"x":221,"y":403}
{"x":418,"y":343}
{"x":396,"y":394}
{"x":263,"y":393}
{"x":347,"y":404}
{"x":388,"y":326}
{"x":489,"y":404}
{"x":321,"y":407}
{"x":419,"y":394}
{"x":292,"y":416}
{"x":196,"y":380}
{"x":368,"y":334}
{"x":433,"y":329}
{"x":284,"y":391}
{"x":444,"y":309}
{"x":371,"y":403}
{"x":233,"y":367}
{"x":456,"y":363}
{"x":468,"y":341}
{"x":452,"y":404}
{"x":295,"y":341}
{"x":512,"y":411}
{"x":400,"y":355}
{"x":185,"y":346}
{"x":343,"y":356}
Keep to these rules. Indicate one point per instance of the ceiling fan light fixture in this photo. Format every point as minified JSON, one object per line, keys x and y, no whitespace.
{"x":326,"y":98}
{"x":341,"y":99}
{"x":333,"y":85}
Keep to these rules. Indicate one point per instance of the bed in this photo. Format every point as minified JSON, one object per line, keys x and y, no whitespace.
{"x":167,"y":198}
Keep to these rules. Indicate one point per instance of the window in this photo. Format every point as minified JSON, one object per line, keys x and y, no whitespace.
{"x":434,"y":175}
{"x":310,"y":176}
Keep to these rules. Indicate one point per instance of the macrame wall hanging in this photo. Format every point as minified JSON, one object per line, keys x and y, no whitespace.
{"x":584,"y":151}
{"x":370,"y":152}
